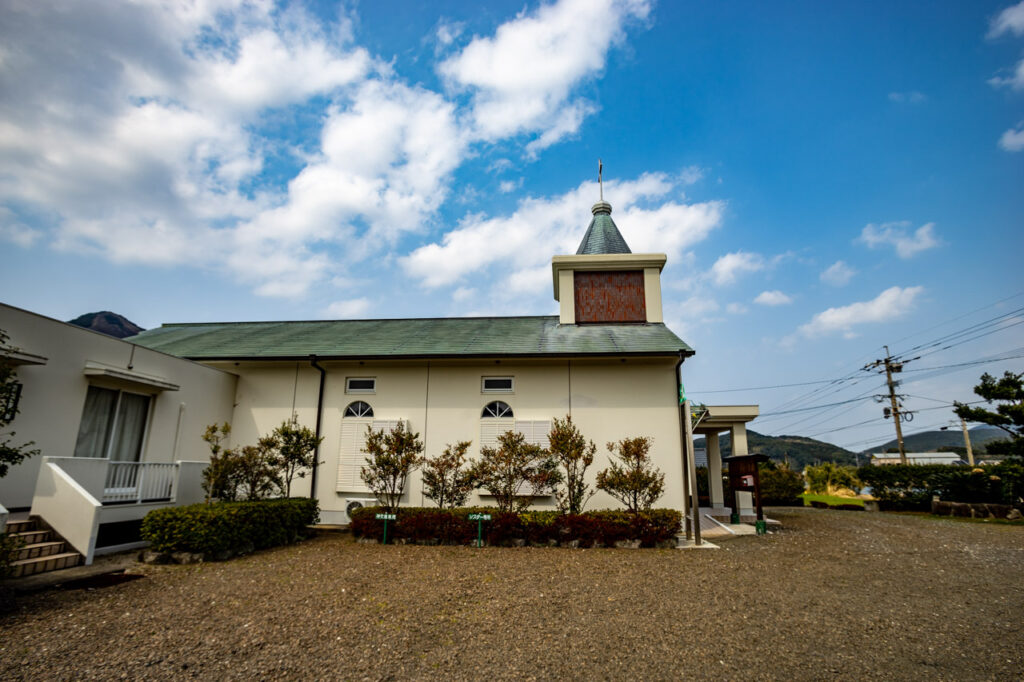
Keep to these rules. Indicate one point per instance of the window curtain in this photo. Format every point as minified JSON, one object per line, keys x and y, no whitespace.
{"x":129,"y":428}
{"x":94,"y":431}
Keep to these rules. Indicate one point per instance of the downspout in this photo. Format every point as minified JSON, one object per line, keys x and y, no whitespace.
{"x":683,"y":449}
{"x":319,"y":417}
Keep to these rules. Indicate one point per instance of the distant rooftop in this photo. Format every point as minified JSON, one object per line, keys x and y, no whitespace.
{"x":410,"y":338}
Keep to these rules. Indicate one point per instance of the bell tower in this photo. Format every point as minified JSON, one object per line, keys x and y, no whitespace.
{"x":605,"y":282}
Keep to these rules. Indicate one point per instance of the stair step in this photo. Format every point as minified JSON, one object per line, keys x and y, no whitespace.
{"x":40,"y":549}
{"x":21,"y":526}
{"x":54,"y":562}
{"x":34,"y":537}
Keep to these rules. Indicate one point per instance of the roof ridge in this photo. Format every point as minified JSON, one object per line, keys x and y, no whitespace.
{"x":368,"y":319}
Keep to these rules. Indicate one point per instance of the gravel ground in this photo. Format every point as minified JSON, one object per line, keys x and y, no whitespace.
{"x":833,"y":594}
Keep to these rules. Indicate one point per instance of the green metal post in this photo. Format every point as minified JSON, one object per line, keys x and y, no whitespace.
{"x":385,"y":531}
{"x":479,"y":532}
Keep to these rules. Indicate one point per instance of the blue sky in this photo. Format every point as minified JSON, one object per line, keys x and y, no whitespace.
{"x":825,"y":178}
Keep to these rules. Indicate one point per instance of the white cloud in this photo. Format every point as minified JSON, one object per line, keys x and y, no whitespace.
{"x":892,"y":303}
{"x":507,"y":186}
{"x":522,"y":79}
{"x":1014,"y":81}
{"x":521,"y":244}
{"x":730,"y":266}
{"x":838,"y":274}
{"x":772,"y":298}
{"x":895,"y":235}
{"x":146,"y":151}
{"x":1010,"y":20}
{"x":348,"y":309}
{"x":14,"y":231}
{"x":448,"y":31}
{"x":691,"y":175}
{"x":736,"y":308}
{"x":1013,"y":139}
{"x":910,"y":97}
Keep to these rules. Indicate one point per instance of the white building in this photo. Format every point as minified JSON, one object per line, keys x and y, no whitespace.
{"x":607,"y":359}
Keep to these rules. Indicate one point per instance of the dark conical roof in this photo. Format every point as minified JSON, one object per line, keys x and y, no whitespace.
{"x":602,"y":236}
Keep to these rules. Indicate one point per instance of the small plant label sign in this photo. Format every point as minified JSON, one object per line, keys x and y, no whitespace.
{"x":479,"y":518}
{"x":386,"y":517}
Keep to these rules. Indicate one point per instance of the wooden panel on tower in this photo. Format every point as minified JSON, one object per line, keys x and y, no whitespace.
{"x":609,"y":297}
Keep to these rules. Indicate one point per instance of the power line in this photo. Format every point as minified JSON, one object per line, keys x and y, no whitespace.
{"x":960,"y":317}
{"x":765,"y":388}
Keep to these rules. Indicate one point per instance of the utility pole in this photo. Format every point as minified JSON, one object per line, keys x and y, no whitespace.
{"x":967,"y":440}
{"x":893,"y":366}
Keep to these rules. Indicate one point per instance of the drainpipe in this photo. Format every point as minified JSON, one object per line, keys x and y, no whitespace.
{"x":691,"y":507}
{"x":319,"y":416}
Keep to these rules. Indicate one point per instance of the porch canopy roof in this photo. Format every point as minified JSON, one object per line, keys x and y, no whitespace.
{"x":129,"y":378}
{"x":724,"y":417}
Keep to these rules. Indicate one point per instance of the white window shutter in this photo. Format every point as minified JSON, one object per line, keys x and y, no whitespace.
{"x":535,"y":431}
{"x":350,"y":455}
{"x":491,"y":428}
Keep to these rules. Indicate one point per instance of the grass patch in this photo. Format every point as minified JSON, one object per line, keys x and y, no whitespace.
{"x":830,"y":499}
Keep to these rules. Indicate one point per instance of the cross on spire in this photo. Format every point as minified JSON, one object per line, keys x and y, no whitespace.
{"x":600,"y":183}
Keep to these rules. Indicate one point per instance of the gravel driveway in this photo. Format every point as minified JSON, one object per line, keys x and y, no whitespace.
{"x":833,"y":594}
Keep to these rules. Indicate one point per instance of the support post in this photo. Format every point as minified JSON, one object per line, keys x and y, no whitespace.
{"x":715,"y":489}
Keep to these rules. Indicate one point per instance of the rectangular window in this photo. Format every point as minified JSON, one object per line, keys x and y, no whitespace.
{"x":113,"y":425}
{"x":497,"y":384}
{"x":360,"y":385}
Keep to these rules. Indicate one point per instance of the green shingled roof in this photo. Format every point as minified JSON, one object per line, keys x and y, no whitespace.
{"x":602,"y":236}
{"x":414,"y":338}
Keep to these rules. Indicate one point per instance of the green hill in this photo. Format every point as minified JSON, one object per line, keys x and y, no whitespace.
{"x":797,"y":450}
{"x":931,"y":441}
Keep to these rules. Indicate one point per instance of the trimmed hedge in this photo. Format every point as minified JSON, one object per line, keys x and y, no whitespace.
{"x":430,"y":525}
{"x":911,"y":486}
{"x":226,"y":528}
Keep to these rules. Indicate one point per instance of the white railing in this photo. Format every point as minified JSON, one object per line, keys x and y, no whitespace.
{"x":139,"y":482}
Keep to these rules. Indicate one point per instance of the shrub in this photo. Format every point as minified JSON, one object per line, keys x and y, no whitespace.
{"x":446,"y":481}
{"x":830,"y":478}
{"x":295,"y":452}
{"x":219,"y":480}
{"x":452,"y":526}
{"x":226,"y":528}
{"x":254,"y":471}
{"x":901,"y":487}
{"x":515,"y":472}
{"x":912,"y":486}
{"x":8,"y":546}
{"x":574,"y":454}
{"x":780,"y":485}
{"x":632,"y":479}
{"x":392,"y":457}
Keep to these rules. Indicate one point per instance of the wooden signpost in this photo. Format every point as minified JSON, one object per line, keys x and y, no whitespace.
{"x":385,"y":518}
{"x":479,"y":518}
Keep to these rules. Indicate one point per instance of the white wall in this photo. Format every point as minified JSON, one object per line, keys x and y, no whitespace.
{"x":609,"y":400}
{"x":54,"y":395}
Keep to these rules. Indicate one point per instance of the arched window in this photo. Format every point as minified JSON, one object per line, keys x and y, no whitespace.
{"x":496,"y":409}
{"x":359,"y":409}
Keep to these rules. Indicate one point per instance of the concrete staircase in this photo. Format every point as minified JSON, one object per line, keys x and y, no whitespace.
{"x":42,"y":550}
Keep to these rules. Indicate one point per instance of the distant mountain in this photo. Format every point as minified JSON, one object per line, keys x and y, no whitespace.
{"x":108,"y":323}
{"x":797,"y":450}
{"x":953,"y":437}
